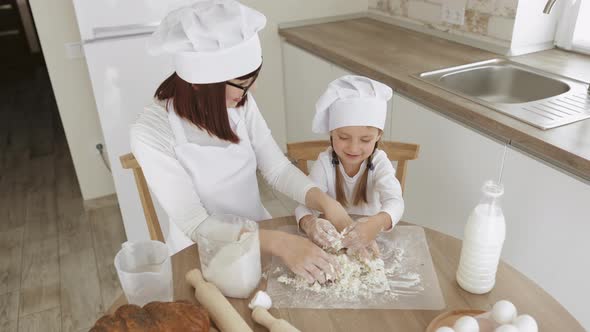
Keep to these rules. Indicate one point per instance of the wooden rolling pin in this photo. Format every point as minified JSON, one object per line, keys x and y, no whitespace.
{"x":226,"y":318}
{"x":264,"y":318}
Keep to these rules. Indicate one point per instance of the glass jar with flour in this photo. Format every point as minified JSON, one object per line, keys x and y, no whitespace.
{"x":482,"y":243}
{"x":229,"y":250}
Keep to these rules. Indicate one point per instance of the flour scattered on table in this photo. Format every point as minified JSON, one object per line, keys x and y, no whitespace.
{"x":361,"y":279}
{"x":411,"y":281}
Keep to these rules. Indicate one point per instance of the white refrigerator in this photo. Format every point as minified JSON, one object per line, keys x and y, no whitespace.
{"x":124,"y":78}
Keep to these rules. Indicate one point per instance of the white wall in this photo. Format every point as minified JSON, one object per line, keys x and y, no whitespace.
{"x":56,"y":25}
{"x":519,"y":26}
{"x":533,"y":30}
{"x":269,"y":91}
{"x":488,"y":24}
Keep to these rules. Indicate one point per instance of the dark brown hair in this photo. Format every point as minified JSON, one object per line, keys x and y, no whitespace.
{"x":360,"y":190}
{"x":202,"y":104}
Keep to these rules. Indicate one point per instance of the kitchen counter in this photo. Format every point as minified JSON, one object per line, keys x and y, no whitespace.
{"x":392,"y":54}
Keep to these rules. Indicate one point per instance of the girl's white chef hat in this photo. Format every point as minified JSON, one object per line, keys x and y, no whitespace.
{"x":212,"y":40}
{"x":351,"y":101}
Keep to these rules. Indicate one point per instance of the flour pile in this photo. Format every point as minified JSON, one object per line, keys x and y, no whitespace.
{"x":361,"y":279}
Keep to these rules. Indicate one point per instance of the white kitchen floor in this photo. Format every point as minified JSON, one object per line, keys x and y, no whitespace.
{"x":56,"y":270}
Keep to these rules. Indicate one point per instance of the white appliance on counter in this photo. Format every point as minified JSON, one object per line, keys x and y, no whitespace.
{"x":124,"y":78}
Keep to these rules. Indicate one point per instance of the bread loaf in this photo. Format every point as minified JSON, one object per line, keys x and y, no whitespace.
{"x":155,"y":316}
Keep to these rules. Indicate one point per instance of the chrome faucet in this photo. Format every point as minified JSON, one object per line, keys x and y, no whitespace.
{"x":549,"y":6}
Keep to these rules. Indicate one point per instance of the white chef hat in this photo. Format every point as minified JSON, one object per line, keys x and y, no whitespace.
{"x":351,"y":101}
{"x":212,"y":40}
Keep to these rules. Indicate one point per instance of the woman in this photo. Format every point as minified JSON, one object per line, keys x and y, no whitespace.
{"x":202,"y":140}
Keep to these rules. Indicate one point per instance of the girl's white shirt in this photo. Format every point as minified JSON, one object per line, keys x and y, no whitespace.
{"x":384,"y":192}
{"x":153,"y":142}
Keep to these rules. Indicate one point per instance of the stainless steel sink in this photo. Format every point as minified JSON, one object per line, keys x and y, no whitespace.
{"x":541,"y":99}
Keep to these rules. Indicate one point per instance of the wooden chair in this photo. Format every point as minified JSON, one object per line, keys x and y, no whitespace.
{"x":129,"y":162}
{"x":301,"y":152}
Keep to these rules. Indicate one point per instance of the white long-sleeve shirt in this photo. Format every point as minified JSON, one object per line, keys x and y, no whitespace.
{"x":152,"y":143}
{"x":384,"y":192}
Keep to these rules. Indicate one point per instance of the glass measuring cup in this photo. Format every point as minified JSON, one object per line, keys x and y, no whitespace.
{"x":145,"y":272}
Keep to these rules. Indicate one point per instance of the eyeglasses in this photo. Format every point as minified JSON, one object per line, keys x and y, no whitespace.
{"x":243,"y":88}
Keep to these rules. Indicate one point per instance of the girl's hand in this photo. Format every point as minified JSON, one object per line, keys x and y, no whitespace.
{"x":321,"y":232}
{"x":306,"y":259}
{"x":332,"y":210}
{"x":337,"y":215}
{"x":362,"y":233}
{"x":365,"y":254}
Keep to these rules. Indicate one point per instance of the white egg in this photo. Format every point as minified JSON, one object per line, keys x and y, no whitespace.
{"x":526,"y":323}
{"x":507,"y":328}
{"x":444,"y":329}
{"x":504,"y":312}
{"x":466,"y":324}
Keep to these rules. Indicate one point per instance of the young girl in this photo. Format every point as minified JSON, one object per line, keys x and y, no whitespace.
{"x":353,"y":170}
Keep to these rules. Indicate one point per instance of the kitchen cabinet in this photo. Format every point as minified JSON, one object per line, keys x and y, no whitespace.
{"x":443,"y":184}
{"x":306,"y":78}
{"x":548,"y":223}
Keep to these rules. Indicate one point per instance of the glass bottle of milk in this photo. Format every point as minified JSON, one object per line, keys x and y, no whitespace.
{"x":483,"y":240}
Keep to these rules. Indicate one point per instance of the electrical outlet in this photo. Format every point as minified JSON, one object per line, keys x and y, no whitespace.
{"x":453,"y":14}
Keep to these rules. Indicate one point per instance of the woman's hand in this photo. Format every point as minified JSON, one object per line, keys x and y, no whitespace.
{"x":306,"y":259}
{"x":321,"y":232}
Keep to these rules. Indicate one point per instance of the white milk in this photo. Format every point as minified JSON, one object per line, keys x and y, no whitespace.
{"x":484,"y":236}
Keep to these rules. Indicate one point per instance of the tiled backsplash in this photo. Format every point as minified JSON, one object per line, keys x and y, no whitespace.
{"x":484,"y":19}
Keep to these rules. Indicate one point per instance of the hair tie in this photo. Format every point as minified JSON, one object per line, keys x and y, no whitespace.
{"x":370,"y":164}
{"x":335,"y":160}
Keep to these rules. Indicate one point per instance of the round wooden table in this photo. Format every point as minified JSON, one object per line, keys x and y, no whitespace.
{"x":510,"y":284}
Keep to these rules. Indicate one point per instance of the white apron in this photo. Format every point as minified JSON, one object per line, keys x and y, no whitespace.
{"x":224,"y":177}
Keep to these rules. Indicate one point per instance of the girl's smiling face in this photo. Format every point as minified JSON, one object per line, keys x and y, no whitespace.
{"x":354,"y":144}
